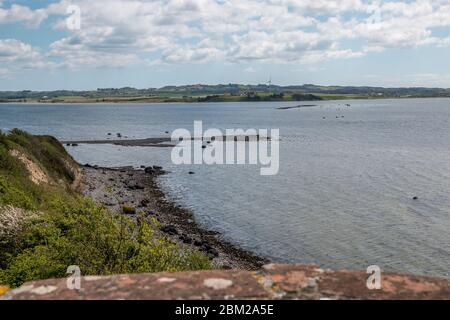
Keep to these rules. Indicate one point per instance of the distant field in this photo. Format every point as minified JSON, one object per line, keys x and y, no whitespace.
{"x":219,"y":93}
{"x":167,"y":98}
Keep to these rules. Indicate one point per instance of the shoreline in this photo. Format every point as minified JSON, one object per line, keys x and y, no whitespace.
{"x":211,"y":102}
{"x":139,"y":192}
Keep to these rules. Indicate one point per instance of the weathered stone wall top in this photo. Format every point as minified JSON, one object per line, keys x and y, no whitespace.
{"x":272,"y":282}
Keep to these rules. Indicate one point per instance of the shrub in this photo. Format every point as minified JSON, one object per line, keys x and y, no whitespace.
{"x":15,"y":195}
{"x":3,"y":138}
{"x":13,"y":222}
{"x":99,"y":242}
{"x":7,"y":162}
{"x":128,"y":210}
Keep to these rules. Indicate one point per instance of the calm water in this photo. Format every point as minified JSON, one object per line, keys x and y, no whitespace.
{"x":342,"y":198}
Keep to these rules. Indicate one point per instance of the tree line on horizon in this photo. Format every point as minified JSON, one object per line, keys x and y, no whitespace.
{"x":231,"y":89}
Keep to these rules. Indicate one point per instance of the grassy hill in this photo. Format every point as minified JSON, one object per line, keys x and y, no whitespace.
{"x":46,"y":225}
{"x":220,"y":93}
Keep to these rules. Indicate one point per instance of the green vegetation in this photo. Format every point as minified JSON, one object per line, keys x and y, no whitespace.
{"x":128,"y":210}
{"x":220,"y":93}
{"x":44,"y":228}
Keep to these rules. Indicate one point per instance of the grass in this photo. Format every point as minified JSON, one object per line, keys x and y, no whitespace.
{"x":51,"y":227}
{"x":330,"y":96}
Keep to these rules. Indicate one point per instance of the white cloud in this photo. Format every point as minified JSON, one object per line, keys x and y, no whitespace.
{"x":12,"y":50}
{"x":124,"y":32}
{"x":329,"y":6}
{"x":16,"y":56}
{"x":18,"y":13}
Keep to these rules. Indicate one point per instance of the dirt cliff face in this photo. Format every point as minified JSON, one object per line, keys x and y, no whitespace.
{"x":272,"y":282}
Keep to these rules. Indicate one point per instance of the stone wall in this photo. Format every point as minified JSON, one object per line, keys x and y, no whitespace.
{"x":272,"y":282}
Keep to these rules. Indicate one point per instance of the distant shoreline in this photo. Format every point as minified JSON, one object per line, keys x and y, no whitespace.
{"x":205,"y":102}
{"x":191,"y":99}
{"x":220,"y":93}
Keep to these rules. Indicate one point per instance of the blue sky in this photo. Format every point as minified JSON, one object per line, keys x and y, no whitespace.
{"x":83,"y":44}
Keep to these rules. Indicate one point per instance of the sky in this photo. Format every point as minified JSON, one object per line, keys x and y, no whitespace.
{"x":85,"y":44}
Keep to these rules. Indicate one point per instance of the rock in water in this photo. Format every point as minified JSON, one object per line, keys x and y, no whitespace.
{"x":149,"y":170}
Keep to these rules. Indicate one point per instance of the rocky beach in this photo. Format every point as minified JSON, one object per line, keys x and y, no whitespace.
{"x":132,"y":192}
